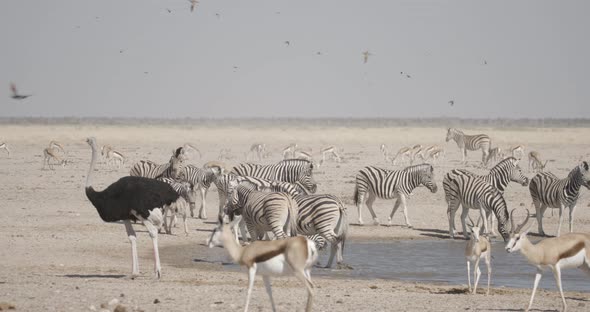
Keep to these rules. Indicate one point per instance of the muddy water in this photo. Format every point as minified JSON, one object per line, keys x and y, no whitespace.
{"x":410,"y":260}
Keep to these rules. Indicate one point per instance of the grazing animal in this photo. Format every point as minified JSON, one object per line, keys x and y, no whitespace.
{"x":548,"y":191}
{"x":330,"y":151}
{"x":133,"y":198}
{"x":193,"y":4}
{"x":16,"y":95}
{"x":567,"y":251}
{"x":292,"y":170}
{"x":473,"y":192}
{"x":289,"y":151}
{"x":201,"y":179}
{"x":402,"y":152}
{"x":366,"y":55}
{"x":4,"y":146}
{"x":112,"y":156}
{"x":57,"y":145}
{"x":219,"y":166}
{"x":259,"y":149}
{"x":263,"y":211}
{"x":478,"y":247}
{"x":185,"y":190}
{"x":295,"y":255}
{"x":499,"y":177}
{"x":535,"y":163}
{"x":495,"y":155}
{"x":50,"y":153}
{"x":517,"y":151}
{"x":149,"y":169}
{"x":388,"y":184}
{"x":470,"y":143}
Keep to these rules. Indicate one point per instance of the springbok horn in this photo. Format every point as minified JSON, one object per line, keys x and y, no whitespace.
{"x":512,"y":227}
{"x":478,"y":221}
{"x":471,"y":221}
{"x":520,"y":226}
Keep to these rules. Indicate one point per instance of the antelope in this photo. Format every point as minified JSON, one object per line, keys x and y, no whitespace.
{"x":219,"y":165}
{"x":300,"y":154}
{"x":57,"y":145}
{"x":535,"y":163}
{"x":478,"y":247}
{"x":570,"y":250}
{"x":331,"y":152}
{"x":404,"y":151}
{"x":383,"y":150}
{"x":496,"y":154}
{"x":5,"y":147}
{"x":289,"y":151}
{"x":294,"y":255}
{"x":51,"y":153}
{"x":517,"y":151}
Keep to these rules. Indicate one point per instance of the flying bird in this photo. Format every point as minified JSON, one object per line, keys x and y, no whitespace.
{"x":217,"y":14}
{"x":452,"y":102}
{"x":319,"y":53}
{"x":193,"y":4}
{"x":15,"y":94}
{"x":287,"y":42}
{"x":366,"y":55}
{"x":408,"y":76}
{"x":169,"y":11}
{"x":485,"y":62}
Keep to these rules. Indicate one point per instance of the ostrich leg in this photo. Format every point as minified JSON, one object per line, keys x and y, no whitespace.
{"x":154,"y":235}
{"x":132,"y":240}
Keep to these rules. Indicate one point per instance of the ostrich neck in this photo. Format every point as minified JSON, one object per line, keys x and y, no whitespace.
{"x":91,"y":170}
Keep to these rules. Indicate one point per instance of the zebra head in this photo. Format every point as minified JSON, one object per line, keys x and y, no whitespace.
{"x":516,"y":174}
{"x":427,"y":178}
{"x":306,"y":180}
{"x":177,"y":164}
{"x":585,"y":174}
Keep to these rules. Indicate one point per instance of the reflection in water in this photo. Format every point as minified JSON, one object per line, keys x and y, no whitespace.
{"x":444,"y":261}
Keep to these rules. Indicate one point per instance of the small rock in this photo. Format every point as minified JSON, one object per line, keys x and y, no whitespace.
{"x":120,"y":308}
{"x":339,"y":301}
{"x":521,"y":204}
{"x":156,"y":301}
{"x":114,"y":301}
{"x":103,"y":305}
{"x":218,"y":302}
{"x":122,"y":295}
{"x":373,"y":287}
{"x":92,"y":308}
{"x":77,"y":287}
{"x":6,"y":306}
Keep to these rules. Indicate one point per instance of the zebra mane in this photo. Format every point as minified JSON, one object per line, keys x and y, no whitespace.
{"x":455,"y":130}
{"x":509,"y":162}
{"x":420,"y":167}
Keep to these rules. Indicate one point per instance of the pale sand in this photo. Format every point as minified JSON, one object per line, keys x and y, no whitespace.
{"x":57,"y":255}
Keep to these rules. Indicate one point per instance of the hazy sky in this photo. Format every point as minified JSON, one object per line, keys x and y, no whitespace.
{"x":67,"y":53}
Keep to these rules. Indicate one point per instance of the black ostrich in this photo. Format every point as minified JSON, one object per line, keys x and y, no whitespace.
{"x":130,"y":199}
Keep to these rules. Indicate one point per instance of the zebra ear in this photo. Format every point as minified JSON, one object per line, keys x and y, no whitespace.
{"x":585,"y":165}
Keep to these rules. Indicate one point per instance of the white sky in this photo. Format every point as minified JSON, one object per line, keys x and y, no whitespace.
{"x":537,"y":52}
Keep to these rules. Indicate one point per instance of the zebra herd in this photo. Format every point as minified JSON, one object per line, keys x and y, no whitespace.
{"x":281,"y":198}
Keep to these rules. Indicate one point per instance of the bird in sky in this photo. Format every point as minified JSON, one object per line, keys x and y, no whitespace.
{"x":193,"y":4}
{"x":452,"y":102}
{"x":366,"y":55}
{"x":408,"y":76}
{"x":169,"y":11}
{"x":485,"y":62}
{"x":287,"y":42}
{"x":319,"y":53}
{"x":218,"y":15}
{"x":16,"y":95}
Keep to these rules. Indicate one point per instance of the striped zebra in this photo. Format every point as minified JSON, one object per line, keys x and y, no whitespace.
{"x":291,"y":170}
{"x":500,"y":176}
{"x":200,"y":178}
{"x":474,"y":192}
{"x":470,"y":143}
{"x":185,"y":190}
{"x":548,"y":191}
{"x":149,"y":169}
{"x":263,"y":211}
{"x":388,"y":184}
{"x":319,"y":214}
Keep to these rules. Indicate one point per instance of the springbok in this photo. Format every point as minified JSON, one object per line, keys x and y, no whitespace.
{"x":570,"y":250}
{"x":478,"y":247}
{"x":294,"y":255}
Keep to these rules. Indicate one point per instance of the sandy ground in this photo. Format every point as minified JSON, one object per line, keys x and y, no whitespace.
{"x":57,"y":255}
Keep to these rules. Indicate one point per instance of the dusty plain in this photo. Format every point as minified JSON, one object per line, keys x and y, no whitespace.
{"x":57,"y":255}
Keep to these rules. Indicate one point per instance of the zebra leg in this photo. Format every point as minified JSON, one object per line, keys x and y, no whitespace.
{"x":395,"y":207}
{"x":370,"y":202}
{"x":492,"y":217}
{"x":402,"y":197}
{"x":561,"y":207}
{"x":572,"y":210}
{"x":451,"y":210}
{"x":222,"y":200}
{"x":484,"y":218}
{"x":464,"y":214}
{"x":330,"y":236}
{"x":540,"y":210}
{"x":360,"y":202}
{"x":203,"y":210}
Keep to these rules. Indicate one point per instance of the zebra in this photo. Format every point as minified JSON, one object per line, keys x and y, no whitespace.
{"x":388,"y":184}
{"x":263,"y":211}
{"x":319,"y":214}
{"x":291,"y":170}
{"x":200,"y":178}
{"x":548,"y":191}
{"x":149,"y":169}
{"x":185,"y":190}
{"x":470,"y":143}
{"x":474,"y":192}
{"x":499,"y":177}
{"x":496,"y":154}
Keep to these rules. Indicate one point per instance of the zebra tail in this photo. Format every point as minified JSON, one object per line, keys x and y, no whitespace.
{"x":356,"y":195}
{"x":342,"y":226}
